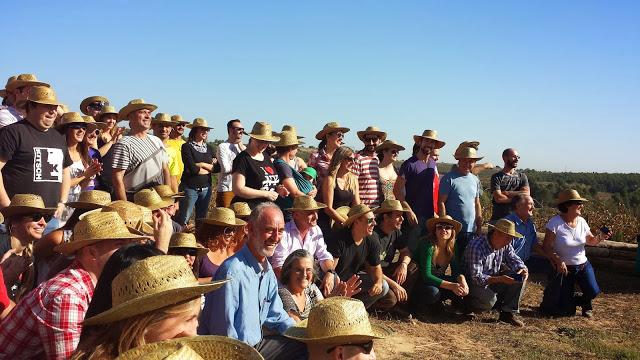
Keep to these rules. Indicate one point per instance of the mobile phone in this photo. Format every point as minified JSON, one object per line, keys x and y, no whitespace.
{"x":605,"y":230}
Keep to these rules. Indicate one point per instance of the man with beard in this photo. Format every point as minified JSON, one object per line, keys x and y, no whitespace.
{"x":225,"y":153}
{"x":163,"y":126}
{"x":174,"y":144}
{"x":367,"y":164}
{"x":506,"y":184}
{"x":253,"y":286}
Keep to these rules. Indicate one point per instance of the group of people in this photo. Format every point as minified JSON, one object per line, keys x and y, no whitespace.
{"x":113,"y":244}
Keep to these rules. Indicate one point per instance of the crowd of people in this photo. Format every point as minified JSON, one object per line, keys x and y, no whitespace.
{"x":114,"y":243}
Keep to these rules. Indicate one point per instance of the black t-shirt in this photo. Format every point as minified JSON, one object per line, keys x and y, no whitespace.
{"x":259,"y":175}
{"x":388,"y":244}
{"x":34,"y":161}
{"x":352,"y":257}
{"x":190,"y":157}
{"x":505,"y":182}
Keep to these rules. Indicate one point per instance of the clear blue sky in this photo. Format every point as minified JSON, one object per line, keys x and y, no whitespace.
{"x":558,"y":80}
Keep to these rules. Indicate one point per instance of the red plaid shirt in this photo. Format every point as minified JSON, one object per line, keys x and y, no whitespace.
{"x":48,"y":320}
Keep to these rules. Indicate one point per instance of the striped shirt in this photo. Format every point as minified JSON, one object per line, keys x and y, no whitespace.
{"x":368,"y":170}
{"x":132,"y":151}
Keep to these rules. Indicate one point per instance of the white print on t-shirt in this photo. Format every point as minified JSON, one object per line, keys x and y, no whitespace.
{"x":47,"y":164}
{"x":271,"y":179}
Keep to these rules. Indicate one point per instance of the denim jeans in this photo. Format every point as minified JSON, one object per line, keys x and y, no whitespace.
{"x":559,"y":295}
{"x":506,"y":296}
{"x":199,"y":198}
{"x":367,"y":283}
{"x":425,"y":295}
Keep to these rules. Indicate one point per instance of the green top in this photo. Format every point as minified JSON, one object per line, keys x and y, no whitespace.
{"x":431,"y":274}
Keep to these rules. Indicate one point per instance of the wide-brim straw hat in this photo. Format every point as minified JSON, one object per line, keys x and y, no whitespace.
{"x":305,"y":203}
{"x":92,"y":124}
{"x":355,"y":212}
{"x":569,"y":195}
{"x":288,"y":138}
{"x":42,"y":95}
{"x":432,"y":135}
{"x":331,"y":127}
{"x":390,"y":205}
{"x":3,"y":92}
{"x":24,"y":80}
{"x":108,"y":109}
{"x":133,"y":215}
{"x":162,"y":118}
{"x":467,"y":152}
{"x":241,"y":209}
{"x":507,"y":227}
{"x":291,"y":128}
{"x":178,"y":119}
{"x":92,"y":99}
{"x":337,"y":320}
{"x":91,"y":199}
{"x":222,"y":217}
{"x":69,"y":118}
{"x":372,"y":130}
{"x":166,"y":192}
{"x":134,"y":105}
{"x":95,"y":226}
{"x":186,"y":241}
{"x":150,"y":199}
{"x":207,"y":347}
{"x":199,"y":123}
{"x":389,"y":144}
{"x":151,"y":284}
{"x":431,"y":223}
{"x":24,"y":204}
{"x":262,"y":131}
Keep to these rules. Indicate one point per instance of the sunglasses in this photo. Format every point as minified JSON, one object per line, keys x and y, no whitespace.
{"x":240,"y":129}
{"x":371,"y":221}
{"x":78,"y":126}
{"x":35,"y":217}
{"x":370,"y":140}
{"x":184,"y":251}
{"x":394,"y":152}
{"x":444,"y":227}
{"x":366,"y":347}
{"x":337,"y":133}
{"x":97,"y":105}
{"x":228,"y":231}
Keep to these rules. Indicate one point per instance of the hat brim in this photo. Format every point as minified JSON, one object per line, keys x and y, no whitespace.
{"x":71,"y":247}
{"x":317,"y":207}
{"x":201,"y":250}
{"x":162,"y":204}
{"x":269,"y":138}
{"x":43,"y":102}
{"x":439,"y":143}
{"x":390,"y":146}
{"x":381,"y":134}
{"x":84,"y":205}
{"x":353,"y":217}
{"x":431,"y":224}
{"x":191,"y":126}
{"x":207,"y":346}
{"x":89,"y":100}
{"x":3,"y":93}
{"x":558,"y":201}
{"x":10,"y":211}
{"x":19,"y":83}
{"x":515,"y":234}
{"x":299,"y":332}
{"x":128,"y":109}
{"x":322,"y":133}
{"x":155,"y":122}
{"x":465,"y":157}
{"x":97,"y":125}
{"x":381,"y":210}
{"x":209,"y":221}
{"x":297,"y":142}
{"x":151,"y":302}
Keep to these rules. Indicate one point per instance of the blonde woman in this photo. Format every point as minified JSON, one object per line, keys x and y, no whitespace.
{"x":339,"y":188}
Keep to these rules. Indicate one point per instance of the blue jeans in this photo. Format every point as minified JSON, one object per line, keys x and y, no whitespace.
{"x":506,"y":296}
{"x":559,"y":295}
{"x":367,"y":283}
{"x":199,"y":198}
{"x":426,"y":294}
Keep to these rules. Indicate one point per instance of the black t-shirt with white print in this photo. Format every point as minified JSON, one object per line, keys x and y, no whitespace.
{"x":34,"y":161}
{"x":259,"y":175}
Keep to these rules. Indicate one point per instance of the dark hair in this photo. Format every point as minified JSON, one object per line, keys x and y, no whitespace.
{"x":516,"y":199}
{"x":506,"y":152}
{"x":323,"y":144}
{"x":230,"y":123}
{"x":415,"y":149}
{"x":285,"y":274}
{"x":206,"y":233}
{"x":564,"y":207}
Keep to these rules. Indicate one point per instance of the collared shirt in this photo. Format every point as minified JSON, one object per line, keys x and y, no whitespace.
{"x":368,"y":170}
{"x":225,"y":153}
{"x":482,"y":261}
{"x":48,"y":321}
{"x":246,"y":303}
{"x":9,"y":115}
{"x":174,"y":154}
{"x":291,"y":241}
{"x":319,"y":160}
{"x":523,"y":246}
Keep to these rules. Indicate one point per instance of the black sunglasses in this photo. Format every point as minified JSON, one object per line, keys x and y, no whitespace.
{"x":184,"y":251}
{"x":97,"y":105}
{"x":78,"y":126}
{"x":366,"y":347}
{"x":35,"y":217}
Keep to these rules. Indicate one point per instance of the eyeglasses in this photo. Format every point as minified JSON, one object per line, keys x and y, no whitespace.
{"x":183,"y":251}
{"x":366,"y":347}
{"x":371,"y":221}
{"x":228,"y":231}
{"x":97,"y":132}
{"x":369,"y":140}
{"x":337,"y":133}
{"x":78,"y":126}
{"x":445,"y":227}
{"x":35,"y":217}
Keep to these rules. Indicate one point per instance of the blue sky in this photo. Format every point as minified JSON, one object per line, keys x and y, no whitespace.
{"x":558,"y":80}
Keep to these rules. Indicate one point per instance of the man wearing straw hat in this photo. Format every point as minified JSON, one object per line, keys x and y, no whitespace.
{"x":93,"y":105}
{"x":48,"y":321}
{"x":225,"y":153}
{"x":175,"y":142}
{"x":16,"y":92}
{"x":162,"y":126}
{"x":348,"y":334}
{"x":249,"y":302}
{"x":487,"y":286}
{"x":33,"y":157}
{"x":139,"y":159}
{"x":367,"y":164}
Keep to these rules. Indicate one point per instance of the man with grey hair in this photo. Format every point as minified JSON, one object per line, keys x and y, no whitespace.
{"x":253,"y":286}
{"x":521,"y":215}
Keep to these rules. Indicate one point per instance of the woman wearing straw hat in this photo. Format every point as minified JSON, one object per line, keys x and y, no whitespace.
{"x":565,"y":237}
{"x":340,"y":188}
{"x":255,"y":179}
{"x":112,"y":133}
{"x":388,"y":154}
{"x":154,"y":299}
{"x":331,"y":138}
{"x":242,"y":211}
{"x":216,"y":232}
{"x":208,"y":347}
{"x":185,"y":245}
{"x":90,"y":141}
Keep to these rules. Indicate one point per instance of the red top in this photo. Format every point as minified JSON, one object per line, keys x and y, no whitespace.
{"x":4,"y":298}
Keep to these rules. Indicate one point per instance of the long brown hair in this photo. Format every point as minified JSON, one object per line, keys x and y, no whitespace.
{"x":448,"y":248}
{"x":341,"y":153}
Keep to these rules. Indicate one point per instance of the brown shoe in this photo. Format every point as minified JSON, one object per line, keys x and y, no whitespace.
{"x":510,"y":318}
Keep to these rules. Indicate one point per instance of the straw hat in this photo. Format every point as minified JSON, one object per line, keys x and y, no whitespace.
{"x":151,"y":284}
{"x":133,"y":215}
{"x":92,"y":124}
{"x":199,"y":122}
{"x":305,"y":203}
{"x":3,"y":92}
{"x":134,"y":105}
{"x":223,"y":217}
{"x":150,"y":199}
{"x":95,"y":226}
{"x":330,"y":127}
{"x":207,"y":347}
{"x":429,"y":134}
{"x":355,"y":212}
{"x":241,"y":209}
{"x":166,"y":192}
{"x":24,"y":80}
{"x":506,"y":226}
{"x":108,"y":109}
{"x":91,"y":199}
{"x":288,"y":138}
{"x":431,"y":223}
{"x":389,"y":144}
{"x":372,"y":130}
{"x":291,"y":128}
{"x":343,"y":211}
{"x":337,"y":320}
{"x":162,"y":118}
{"x":184,"y":240}
{"x":69,"y":118}
{"x":390,"y":205}
{"x":262,"y":131}
{"x":178,"y":119}
{"x":467,"y":150}
{"x":41,"y":95}
{"x":569,"y":195}
{"x":24,"y":204}
{"x":92,"y":99}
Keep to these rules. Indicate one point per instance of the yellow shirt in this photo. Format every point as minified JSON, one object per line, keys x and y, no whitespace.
{"x":174,"y":151}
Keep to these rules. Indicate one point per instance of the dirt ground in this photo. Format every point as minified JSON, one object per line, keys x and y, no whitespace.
{"x":613,"y":333}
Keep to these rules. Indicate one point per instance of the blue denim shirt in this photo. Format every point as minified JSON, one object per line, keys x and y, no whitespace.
{"x":242,"y":306}
{"x":523,"y":246}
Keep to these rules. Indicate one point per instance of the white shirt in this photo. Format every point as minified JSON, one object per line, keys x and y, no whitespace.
{"x":225,"y":154}
{"x":570,"y":242}
{"x":9,"y":115}
{"x":313,"y":242}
